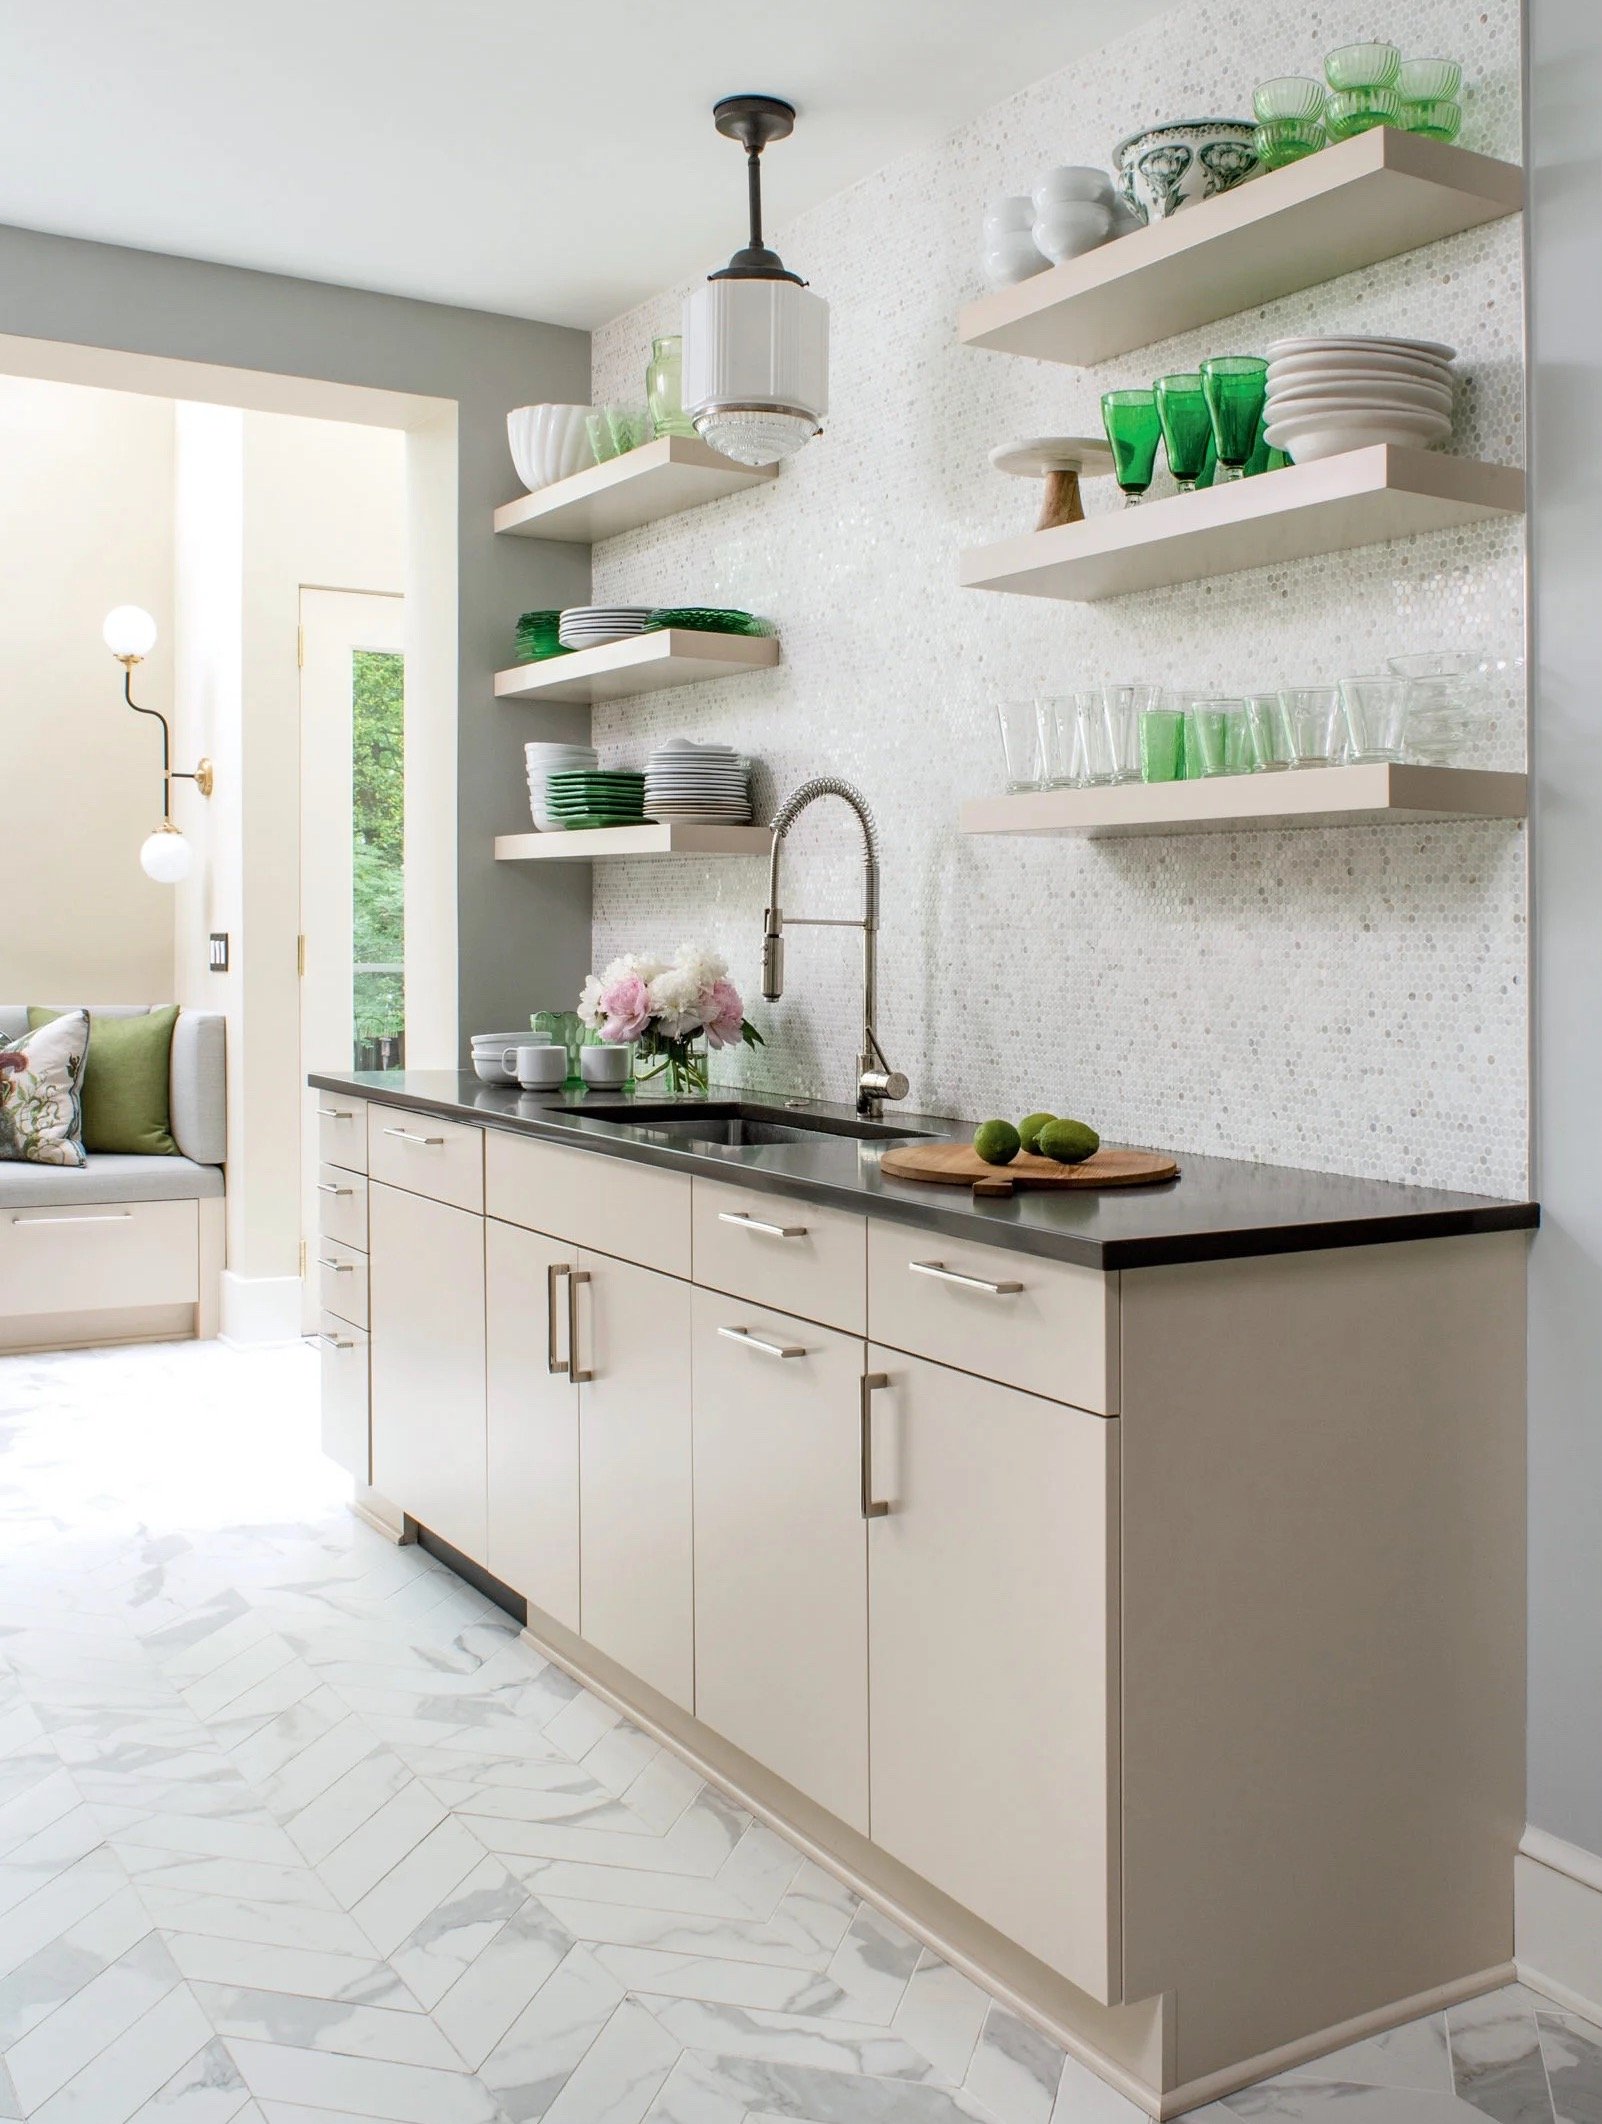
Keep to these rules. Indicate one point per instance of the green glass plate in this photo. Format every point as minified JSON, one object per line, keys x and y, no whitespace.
{"x":596,"y":821}
{"x":709,"y":619}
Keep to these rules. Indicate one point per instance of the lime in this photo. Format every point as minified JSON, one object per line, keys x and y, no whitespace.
{"x":1029,"y":1129}
{"x":1069,"y":1142}
{"x":996,"y":1142}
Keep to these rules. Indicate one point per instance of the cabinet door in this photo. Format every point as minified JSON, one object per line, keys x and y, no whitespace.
{"x":344,"y":1402}
{"x":781,"y":1553}
{"x":533,"y":1419}
{"x":992,"y":1644}
{"x":636,"y":1576}
{"x":426,"y":1277}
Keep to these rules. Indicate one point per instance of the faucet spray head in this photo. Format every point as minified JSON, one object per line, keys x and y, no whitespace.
{"x":772,"y":956}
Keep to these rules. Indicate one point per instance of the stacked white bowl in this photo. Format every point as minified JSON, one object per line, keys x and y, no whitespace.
{"x":488,"y":1050}
{"x":544,"y":760}
{"x":1334,"y":394}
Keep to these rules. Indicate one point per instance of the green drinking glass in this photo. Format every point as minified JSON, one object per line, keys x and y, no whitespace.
{"x":1187,"y":426}
{"x":1235,"y":386}
{"x":1133,"y":430}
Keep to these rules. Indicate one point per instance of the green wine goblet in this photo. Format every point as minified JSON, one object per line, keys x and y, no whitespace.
{"x":1133,"y":430}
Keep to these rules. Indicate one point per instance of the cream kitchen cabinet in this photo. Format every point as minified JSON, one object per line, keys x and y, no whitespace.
{"x":532,"y":1417}
{"x":345,"y":1440}
{"x":427,"y":1298}
{"x":781,"y":1562}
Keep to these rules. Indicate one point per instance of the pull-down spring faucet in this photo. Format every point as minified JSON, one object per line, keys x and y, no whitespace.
{"x":876,"y":1080}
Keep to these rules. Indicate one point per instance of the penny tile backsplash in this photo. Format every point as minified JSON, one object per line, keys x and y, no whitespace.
{"x":1352,"y":999}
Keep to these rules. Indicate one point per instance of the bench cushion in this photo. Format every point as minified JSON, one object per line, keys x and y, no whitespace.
{"x":114,"y":1176}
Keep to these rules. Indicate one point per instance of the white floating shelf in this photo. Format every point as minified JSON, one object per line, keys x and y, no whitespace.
{"x":1348,"y":206}
{"x":645,"y":663}
{"x":658,"y":479}
{"x":1318,"y":796}
{"x":679,"y":837}
{"x":1356,"y":499}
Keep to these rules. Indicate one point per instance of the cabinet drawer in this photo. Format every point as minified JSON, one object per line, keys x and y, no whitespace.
{"x":344,"y":1402}
{"x":1049,"y":1327}
{"x":636,"y":1212}
{"x":105,"y":1255}
{"x":342,"y":1281}
{"x":426,"y":1156}
{"x":808,"y":1260}
{"x":341,"y":1130}
{"x":342,"y":1205}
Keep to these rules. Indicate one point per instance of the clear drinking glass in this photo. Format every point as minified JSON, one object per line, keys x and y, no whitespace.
{"x":1310,"y":719}
{"x":1162,"y":744}
{"x":1235,"y":386}
{"x":600,"y":434}
{"x":1061,"y":762}
{"x":1094,"y":740}
{"x":629,"y":426}
{"x":1216,"y":734}
{"x":1122,"y":707}
{"x":1375,"y":711}
{"x":1020,"y":744}
{"x":1266,"y":732}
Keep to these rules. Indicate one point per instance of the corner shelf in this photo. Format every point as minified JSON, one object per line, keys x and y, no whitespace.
{"x":1321,"y":796}
{"x":1348,"y":206}
{"x":658,"y":479}
{"x":1359,"y":498}
{"x":676,"y":837}
{"x":644,"y":663}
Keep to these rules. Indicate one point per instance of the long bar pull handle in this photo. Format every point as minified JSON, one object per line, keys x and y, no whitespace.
{"x":872,"y":1507}
{"x":574,"y":1371}
{"x":327,"y":1187}
{"x":758,"y":1342}
{"x":969,"y":1283}
{"x":340,"y":1268}
{"x":759,"y":1224}
{"x":333,"y":1342}
{"x":555,"y":1270}
{"x":337,"y":1113}
{"x":408,"y":1135}
{"x":105,"y":1217}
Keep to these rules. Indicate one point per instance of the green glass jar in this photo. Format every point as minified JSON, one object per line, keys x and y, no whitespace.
{"x":664,"y":387}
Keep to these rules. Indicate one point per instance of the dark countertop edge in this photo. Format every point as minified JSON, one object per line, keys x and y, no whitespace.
{"x":969,"y":1223}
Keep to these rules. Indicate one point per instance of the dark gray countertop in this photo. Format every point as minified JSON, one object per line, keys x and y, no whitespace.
{"x":1217,"y":1209}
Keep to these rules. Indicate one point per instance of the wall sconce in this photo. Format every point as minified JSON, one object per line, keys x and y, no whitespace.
{"x":165,"y":855}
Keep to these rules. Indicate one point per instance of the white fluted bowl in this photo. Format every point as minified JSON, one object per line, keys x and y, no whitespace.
{"x":548,"y":443}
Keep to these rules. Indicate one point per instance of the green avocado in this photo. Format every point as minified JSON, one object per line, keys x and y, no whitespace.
{"x":996,"y":1142}
{"x":1029,"y":1129}
{"x":1069,"y":1142}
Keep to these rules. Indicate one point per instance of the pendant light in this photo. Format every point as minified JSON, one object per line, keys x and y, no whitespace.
{"x":756,"y":340}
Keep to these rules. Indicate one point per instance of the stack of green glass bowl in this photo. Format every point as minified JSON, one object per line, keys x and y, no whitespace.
{"x":537,"y":636}
{"x":708,"y":619}
{"x":1428,"y":89}
{"x":598,"y":796}
{"x":1290,"y":120}
{"x":1372,"y":84}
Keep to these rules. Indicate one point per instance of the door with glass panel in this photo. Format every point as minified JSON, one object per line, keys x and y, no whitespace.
{"x":352,"y":852}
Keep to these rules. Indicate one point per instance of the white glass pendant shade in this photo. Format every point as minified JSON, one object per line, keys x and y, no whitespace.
{"x":129,"y":632}
{"x":165,"y":856}
{"x":756,"y":367}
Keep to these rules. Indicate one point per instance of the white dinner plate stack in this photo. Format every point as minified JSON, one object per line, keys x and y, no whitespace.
{"x":1329,"y":395}
{"x":688,"y":781}
{"x":585,"y":626}
{"x":542,"y":761}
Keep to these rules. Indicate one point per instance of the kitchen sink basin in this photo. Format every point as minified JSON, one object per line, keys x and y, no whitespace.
{"x":731,"y":1126}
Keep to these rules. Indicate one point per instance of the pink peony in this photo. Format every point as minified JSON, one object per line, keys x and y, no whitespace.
{"x":625,"y":1007}
{"x":725,"y":1015}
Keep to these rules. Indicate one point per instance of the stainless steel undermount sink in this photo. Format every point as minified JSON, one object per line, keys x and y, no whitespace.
{"x":736,"y":1125}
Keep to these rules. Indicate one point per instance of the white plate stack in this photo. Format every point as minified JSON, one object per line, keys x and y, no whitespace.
{"x":689,"y":781}
{"x":542,"y":761}
{"x":586,"y":626}
{"x":1329,"y":395}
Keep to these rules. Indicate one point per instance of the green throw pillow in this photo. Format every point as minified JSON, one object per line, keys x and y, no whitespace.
{"x":125,"y":1103}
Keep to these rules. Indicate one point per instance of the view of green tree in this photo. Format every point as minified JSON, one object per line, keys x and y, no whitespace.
{"x":378,"y":828}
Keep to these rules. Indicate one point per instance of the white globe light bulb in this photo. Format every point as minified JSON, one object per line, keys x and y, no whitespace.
{"x":165,"y":856}
{"x":129,"y":632}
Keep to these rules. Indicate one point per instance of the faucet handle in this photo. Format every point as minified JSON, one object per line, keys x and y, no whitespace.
{"x":875,"y":1085}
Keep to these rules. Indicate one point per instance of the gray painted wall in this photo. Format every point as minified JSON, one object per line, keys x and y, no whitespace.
{"x":1565,"y":60}
{"x":523,"y":930}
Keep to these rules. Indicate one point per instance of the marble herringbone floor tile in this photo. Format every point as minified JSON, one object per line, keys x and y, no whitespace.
{"x":295,"y":1828}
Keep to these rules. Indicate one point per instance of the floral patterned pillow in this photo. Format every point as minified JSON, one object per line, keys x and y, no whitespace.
{"x":41,"y":1110}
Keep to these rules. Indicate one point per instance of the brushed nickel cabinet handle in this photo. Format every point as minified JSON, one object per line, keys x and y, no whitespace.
{"x":340,"y":1268}
{"x":969,"y":1283}
{"x":337,"y":1113}
{"x":575,"y":1371}
{"x":758,"y":1224}
{"x":407,"y":1135}
{"x":872,"y":1507}
{"x":327,"y":1187}
{"x":757,"y":1342}
{"x":105,"y":1217}
{"x":554,"y":1270}
{"x":333,"y":1342}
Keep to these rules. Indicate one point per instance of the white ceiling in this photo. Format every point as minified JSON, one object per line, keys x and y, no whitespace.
{"x":531,"y":156}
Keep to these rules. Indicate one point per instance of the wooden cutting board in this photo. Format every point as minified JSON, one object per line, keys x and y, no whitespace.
{"x":960,"y":1165}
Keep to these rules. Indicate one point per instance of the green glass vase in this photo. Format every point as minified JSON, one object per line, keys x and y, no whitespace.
{"x":664,"y":387}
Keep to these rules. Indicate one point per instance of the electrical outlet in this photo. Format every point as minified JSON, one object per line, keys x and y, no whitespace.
{"x":219,"y":951}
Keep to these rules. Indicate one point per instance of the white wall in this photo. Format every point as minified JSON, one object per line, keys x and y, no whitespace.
{"x":86,"y":524}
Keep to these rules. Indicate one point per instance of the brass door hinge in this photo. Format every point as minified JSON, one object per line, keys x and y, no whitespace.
{"x":300,"y":955}
{"x":303,"y":1257}
{"x":300,"y":647}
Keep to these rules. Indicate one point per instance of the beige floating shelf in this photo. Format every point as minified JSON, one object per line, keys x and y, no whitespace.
{"x":678,"y":837}
{"x":1348,"y":206}
{"x":1317,"y":796}
{"x":1359,"y":498}
{"x":644,"y":663}
{"x":660,"y":478}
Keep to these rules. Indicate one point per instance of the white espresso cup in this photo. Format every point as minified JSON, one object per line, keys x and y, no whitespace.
{"x":607,"y":1066}
{"x":537,"y":1068}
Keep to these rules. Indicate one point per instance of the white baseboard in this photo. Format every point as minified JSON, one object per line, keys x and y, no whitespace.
{"x":258,"y":1311}
{"x":1557,"y":1922}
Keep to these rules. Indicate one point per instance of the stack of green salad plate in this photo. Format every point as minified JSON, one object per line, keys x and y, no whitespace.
{"x":537,"y":636}
{"x":708,"y":619}
{"x":586,"y":799}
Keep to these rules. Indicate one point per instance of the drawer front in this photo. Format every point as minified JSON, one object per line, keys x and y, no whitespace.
{"x":342,"y":1205}
{"x":777,"y":1252}
{"x":100,"y":1255}
{"x":341,"y":1130}
{"x":636,"y":1212}
{"x":426,"y":1156}
{"x":1046,"y":1326}
{"x":342,"y":1281}
{"x":345,"y":1400}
